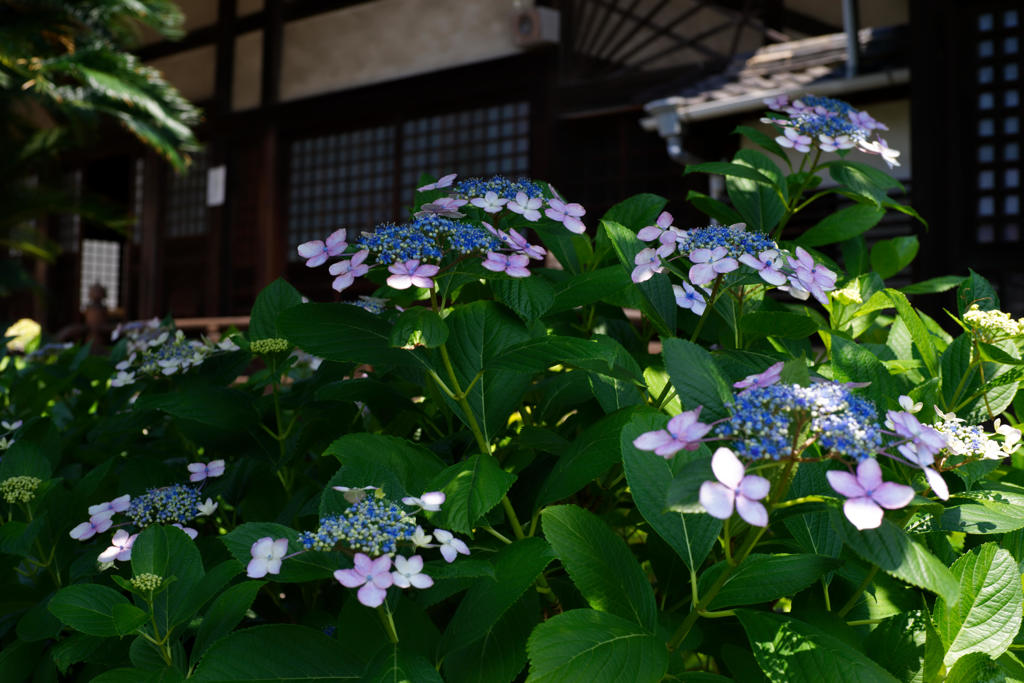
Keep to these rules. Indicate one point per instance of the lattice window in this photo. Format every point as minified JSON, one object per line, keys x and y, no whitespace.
{"x":339,"y":181}
{"x":473,"y":142}
{"x":185,"y":200}
{"x":997,"y":126}
{"x":348,"y":179}
{"x":101,"y":263}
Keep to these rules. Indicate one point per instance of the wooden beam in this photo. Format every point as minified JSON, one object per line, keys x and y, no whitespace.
{"x":150,"y":275}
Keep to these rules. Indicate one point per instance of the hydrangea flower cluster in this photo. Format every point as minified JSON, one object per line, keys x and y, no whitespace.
{"x":972,"y":441}
{"x":19,"y":489}
{"x":993,"y":325}
{"x":177,"y":505}
{"x":771,"y":421}
{"x":830,"y":125}
{"x":774,"y":422}
{"x":442,"y":232}
{"x":717,"y":250}
{"x":373,"y":526}
{"x":157,"y":350}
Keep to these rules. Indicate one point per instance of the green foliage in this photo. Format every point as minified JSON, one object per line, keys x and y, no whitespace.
{"x":986,"y":614}
{"x":594,"y":647}
{"x":535,"y":426}
{"x":791,"y":651}
{"x":64,"y":68}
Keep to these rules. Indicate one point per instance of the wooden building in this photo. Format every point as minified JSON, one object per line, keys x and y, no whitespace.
{"x":322,"y":114}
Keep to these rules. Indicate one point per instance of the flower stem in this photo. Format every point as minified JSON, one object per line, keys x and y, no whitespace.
{"x":387,"y":620}
{"x":855,"y":598}
{"x":707,"y":308}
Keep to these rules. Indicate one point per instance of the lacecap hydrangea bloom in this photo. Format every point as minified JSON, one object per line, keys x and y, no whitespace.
{"x":176,"y":505}
{"x":830,"y":125}
{"x":774,"y":423}
{"x":374,"y":528}
{"x":447,"y":229}
{"x":156,"y":350}
{"x":718,"y":250}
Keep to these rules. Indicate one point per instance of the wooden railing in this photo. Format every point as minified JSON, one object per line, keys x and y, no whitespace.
{"x":212,"y":326}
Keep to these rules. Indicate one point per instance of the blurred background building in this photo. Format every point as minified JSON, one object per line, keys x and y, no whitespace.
{"x":322,"y":114}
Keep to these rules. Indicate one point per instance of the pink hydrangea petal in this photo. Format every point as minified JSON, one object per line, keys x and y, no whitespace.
{"x":649,"y":233}
{"x":430,"y":498}
{"x":869,"y":474}
{"x":716,"y":499}
{"x":648,"y":441}
{"x":257,"y":568}
{"x":349,"y":578}
{"x":683,"y":420}
{"x":311,"y":249}
{"x":262,"y":547}
{"x":399,"y":281}
{"x":893,"y":496}
{"x":421,"y":581}
{"x":752,"y":512}
{"x":754,"y":487}
{"x":371,"y":596}
{"x":937,"y":483}
{"x":845,"y":484}
{"x":725,"y":265}
{"x":727,"y":467}
{"x":863,"y":513}
{"x":669,"y":449}
{"x":701,"y":274}
{"x":317,"y":260}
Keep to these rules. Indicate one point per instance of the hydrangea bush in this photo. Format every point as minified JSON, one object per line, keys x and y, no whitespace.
{"x":488,"y":471}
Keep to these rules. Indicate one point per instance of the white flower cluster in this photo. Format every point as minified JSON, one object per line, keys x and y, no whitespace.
{"x":154,"y":349}
{"x":972,"y":441}
{"x":993,"y":325}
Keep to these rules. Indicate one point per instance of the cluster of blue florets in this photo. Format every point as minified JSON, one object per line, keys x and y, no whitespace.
{"x":829,"y":104}
{"x":427,"y":239}
{"x":175,"y":504}
{"x":499,"y":185}
{"x":370,"y":304}
{"x":765,"y":421}
{"x":813,"y":124}
{"x":373,"y":526}
{"x":737,"y":241}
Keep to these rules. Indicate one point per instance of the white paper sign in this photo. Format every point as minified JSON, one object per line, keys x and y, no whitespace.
{"x":216,"y":178}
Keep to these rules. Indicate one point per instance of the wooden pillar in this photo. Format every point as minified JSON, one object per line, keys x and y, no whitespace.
{"x":219,"y":152}
{"x":150,"y":281}
{"x":270,"y":227}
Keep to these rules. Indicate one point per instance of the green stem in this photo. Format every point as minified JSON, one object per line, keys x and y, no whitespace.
{"x":701,"y":606}
{"x":753,"y":537}
{"x":727,"y":541}
{"x":513,"y":520}
{"x":794,"y":203}
{"x":707,"y":309}
{"x":387,"y":620}
{"x":497,"y":534}
{"x":855,"y":598}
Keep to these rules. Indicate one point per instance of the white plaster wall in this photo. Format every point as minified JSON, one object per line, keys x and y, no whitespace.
{"x":245,"y":93}
{"x":870,"y":12}
{"x":893,"y":113}
{"x":191,"y":72}
{"x":245,"y":7}
{"x":389,"y":39}
{"x":198,"y":13}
